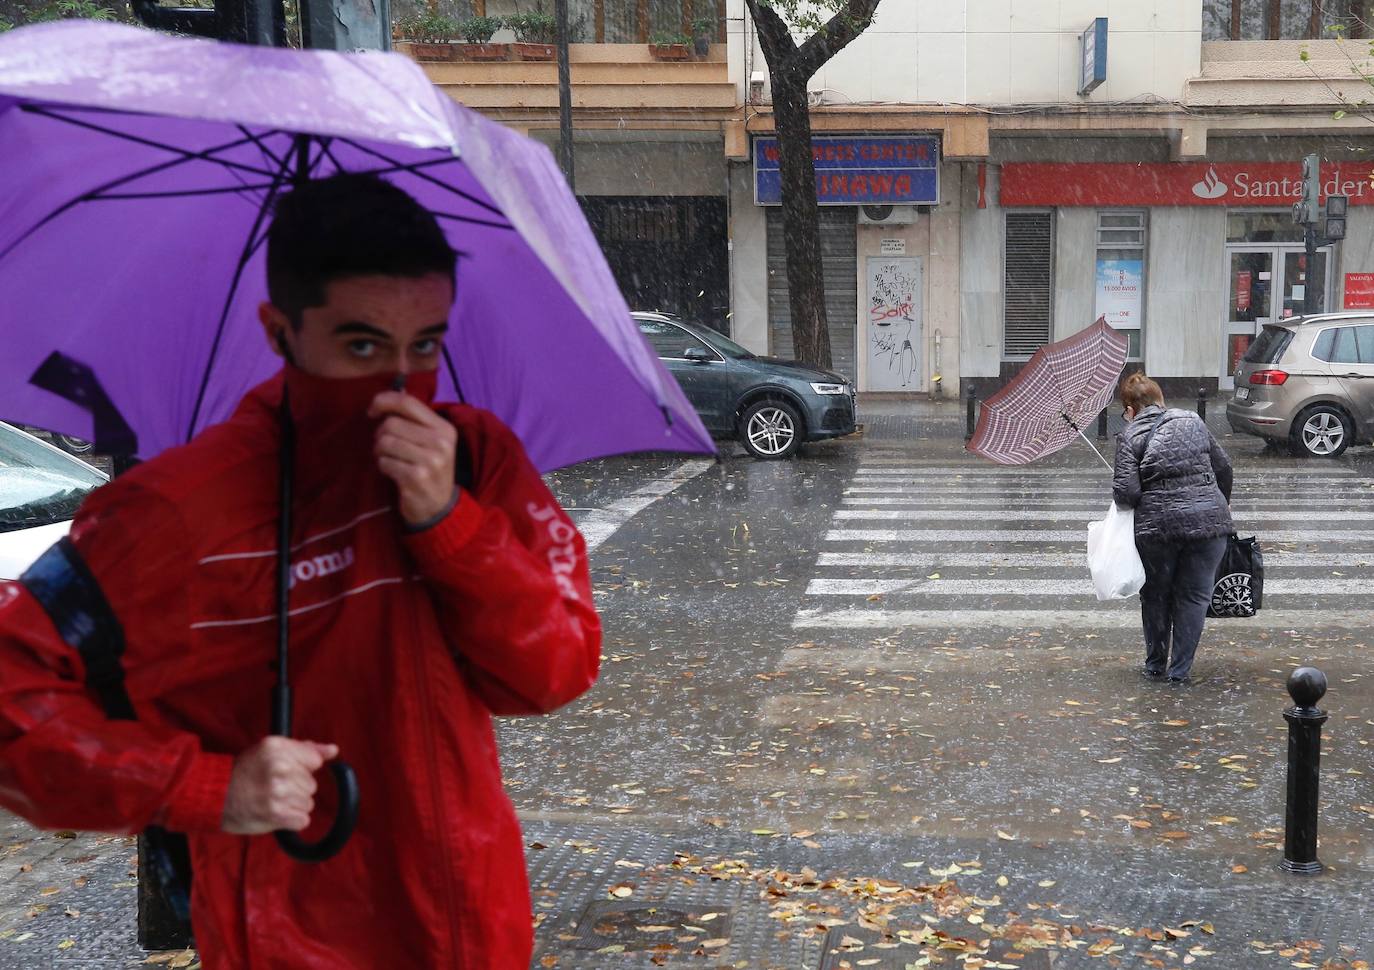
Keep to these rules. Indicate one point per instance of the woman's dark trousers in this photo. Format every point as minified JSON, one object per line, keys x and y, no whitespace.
{"x":1179,"y":577}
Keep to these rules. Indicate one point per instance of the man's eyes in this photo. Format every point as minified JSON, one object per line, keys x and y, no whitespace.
{"x":366,"y":348}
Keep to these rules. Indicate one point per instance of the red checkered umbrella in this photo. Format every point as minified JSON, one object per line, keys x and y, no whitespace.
{"x":1061,"y":390}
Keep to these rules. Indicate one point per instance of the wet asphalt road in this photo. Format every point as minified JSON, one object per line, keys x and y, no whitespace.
{"x":776,"y":659}
{"x":883,"y":659}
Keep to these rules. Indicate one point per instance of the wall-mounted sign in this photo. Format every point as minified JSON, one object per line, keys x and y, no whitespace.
{"x":1276,"y":184}
{"x":1120,"y":292}
{"x":860,"y":170}
{"x":1093,"y":45}
{"x":1359,"y":291}
{"x":892,"y":247}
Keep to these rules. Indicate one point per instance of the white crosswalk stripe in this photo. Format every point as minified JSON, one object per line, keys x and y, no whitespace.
{"x":919,"y":543}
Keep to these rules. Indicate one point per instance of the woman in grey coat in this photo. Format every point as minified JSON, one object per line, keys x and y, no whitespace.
{"x":1171,"y":470}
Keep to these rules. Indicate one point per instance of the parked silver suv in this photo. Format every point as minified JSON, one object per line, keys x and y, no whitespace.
{"x":1309,"y":382}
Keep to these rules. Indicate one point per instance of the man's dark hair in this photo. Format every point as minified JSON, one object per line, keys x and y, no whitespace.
{"x":348,"y":225}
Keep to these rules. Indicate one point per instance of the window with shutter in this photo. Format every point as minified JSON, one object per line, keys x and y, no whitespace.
{"x":1028,"y":291}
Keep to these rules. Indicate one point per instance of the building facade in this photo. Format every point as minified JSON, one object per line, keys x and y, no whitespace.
{"x":1152,"y":185}
{"x":995,"y":175}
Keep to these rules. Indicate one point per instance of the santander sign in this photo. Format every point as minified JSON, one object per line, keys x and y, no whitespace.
{"x":1277,"y":184}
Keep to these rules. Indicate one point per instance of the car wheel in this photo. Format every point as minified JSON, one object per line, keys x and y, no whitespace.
{"x":1321,"y":432}
{"x":75,"y":446}
{"x":770,"y":430}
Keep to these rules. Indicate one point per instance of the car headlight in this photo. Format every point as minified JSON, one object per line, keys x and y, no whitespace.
{"x":830,"y":388}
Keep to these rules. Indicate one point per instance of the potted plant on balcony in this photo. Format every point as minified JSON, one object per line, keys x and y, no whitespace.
{"x":703,"y":32}
{"x":476,"y":33}
{"x":670,"y":47}
{"x":433,"y":35}
{"x":535,"y":34}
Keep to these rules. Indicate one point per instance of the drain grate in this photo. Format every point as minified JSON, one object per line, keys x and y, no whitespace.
{"x":665,"y":928}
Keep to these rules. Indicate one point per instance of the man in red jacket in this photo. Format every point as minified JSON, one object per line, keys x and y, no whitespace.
{"x":419,"y":609}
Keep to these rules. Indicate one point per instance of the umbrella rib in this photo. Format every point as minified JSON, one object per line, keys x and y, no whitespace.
{"x":176,"y":194}
{"x":453,"y":375}
{"x":95,"y":193}
{"x":261,"y":142}
{"x":185,"y":155}
{"x":251,"y":246}
{"x":414,"y":169}
{"x":474,"y":220}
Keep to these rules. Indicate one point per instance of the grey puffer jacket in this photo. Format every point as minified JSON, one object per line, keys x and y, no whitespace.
{"x":1180,"y":485}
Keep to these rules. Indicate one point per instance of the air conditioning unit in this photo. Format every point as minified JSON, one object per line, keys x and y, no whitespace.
{"x":887,"y":215}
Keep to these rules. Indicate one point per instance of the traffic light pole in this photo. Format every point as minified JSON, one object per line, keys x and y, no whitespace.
{"x":1309,"y":293}
{"x":565,"y":129}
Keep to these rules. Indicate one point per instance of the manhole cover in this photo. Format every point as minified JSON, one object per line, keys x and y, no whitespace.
{"x":638,"y":927}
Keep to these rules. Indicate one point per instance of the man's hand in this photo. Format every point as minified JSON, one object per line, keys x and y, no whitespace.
{"x":273,"y":786}
{"x":415,"y":448}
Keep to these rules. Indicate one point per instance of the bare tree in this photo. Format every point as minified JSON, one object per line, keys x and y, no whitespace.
{"x":790,"y":65}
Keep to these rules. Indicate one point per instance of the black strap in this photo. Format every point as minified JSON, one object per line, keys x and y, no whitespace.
{"x":463,"y":474}
{"x":64,"y":586}
{"x":67,"y":590}
{"x":1149,"y":435}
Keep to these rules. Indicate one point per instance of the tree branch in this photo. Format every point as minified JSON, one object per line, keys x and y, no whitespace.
{"x":849,"y":23}
{"x":774,"y":34}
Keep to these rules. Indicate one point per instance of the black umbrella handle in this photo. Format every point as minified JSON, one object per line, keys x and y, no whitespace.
{"x":345,"y":820}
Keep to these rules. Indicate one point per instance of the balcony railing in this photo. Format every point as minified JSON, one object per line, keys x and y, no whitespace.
{"x":617,"y":21}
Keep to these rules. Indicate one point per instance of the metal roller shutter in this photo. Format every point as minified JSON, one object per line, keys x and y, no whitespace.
{"x":839,"y":259}
{"x":1028,"y":296}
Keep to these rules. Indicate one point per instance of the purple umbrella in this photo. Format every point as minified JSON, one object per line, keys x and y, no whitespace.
{"x":138,"y":175}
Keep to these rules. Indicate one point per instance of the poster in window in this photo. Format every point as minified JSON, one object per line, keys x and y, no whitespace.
{"x":1120,"y":292}
{"x":1244,"y":281}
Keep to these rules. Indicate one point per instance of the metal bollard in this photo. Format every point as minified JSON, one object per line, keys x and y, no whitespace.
{"x":1102,"y":424}
{"x":972,"y":419}
{"x":1202,"y":404}
{"x":1306,"y":685}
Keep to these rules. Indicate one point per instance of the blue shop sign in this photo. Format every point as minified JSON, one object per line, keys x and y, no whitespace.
{"x":863,"y":170}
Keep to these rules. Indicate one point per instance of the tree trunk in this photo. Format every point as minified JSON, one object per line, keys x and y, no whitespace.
{"x":801,"y":220}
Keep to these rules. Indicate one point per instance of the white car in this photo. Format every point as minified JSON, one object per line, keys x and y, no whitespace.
{"x":41,"y":487}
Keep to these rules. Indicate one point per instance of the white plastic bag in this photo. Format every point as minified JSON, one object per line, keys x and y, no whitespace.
{"x":1115,"y":564}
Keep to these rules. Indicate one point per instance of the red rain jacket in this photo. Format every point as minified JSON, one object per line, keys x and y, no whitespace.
{"x":403,"y":647}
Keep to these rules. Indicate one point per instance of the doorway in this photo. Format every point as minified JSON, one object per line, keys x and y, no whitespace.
{"x":1266,"y":284}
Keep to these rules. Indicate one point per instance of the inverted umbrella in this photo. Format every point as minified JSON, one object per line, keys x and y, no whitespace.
{"x":139,"y":174}
{"x":1061,"y":390}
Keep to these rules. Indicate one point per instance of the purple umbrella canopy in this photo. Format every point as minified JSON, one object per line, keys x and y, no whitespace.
{"x":137,"y":171}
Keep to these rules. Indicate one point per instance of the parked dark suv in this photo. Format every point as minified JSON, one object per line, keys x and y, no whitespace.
{"x":769,"y":405}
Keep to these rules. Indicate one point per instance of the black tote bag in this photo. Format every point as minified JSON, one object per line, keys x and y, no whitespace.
{"x":1239,"y":586}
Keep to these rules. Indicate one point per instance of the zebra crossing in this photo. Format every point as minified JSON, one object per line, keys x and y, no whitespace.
{"x":924,"y":543}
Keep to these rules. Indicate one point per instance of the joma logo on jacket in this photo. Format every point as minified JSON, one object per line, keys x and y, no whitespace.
{"x":320,"y":566}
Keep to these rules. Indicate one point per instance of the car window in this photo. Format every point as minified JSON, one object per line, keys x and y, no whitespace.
{"x":1269,"y":345}
{"x":39,"y":485}
{"x":1364,"y":343}
{"x":725,"y":345}
{"x":671,"y":342}
{"x":1345,"y":351}
{"x":1325,"y":345}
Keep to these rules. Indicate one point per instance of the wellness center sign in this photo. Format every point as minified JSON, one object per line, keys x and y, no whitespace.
{"x":862,"y":170}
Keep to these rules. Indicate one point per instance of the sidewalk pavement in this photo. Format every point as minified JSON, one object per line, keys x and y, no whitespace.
{"x":624,"y":897}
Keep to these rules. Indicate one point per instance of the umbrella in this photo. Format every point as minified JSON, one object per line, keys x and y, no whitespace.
{"x":139,"y":171}
{"x":1062,"y":388}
